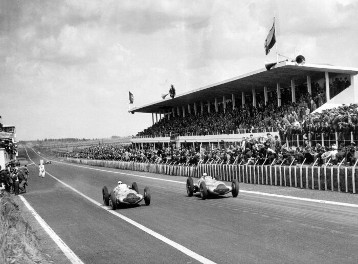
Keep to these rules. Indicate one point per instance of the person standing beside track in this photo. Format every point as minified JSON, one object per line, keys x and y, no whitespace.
{"x":42,"y":171}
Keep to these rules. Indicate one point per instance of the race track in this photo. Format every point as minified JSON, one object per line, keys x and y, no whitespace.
{"x":248,"y":229}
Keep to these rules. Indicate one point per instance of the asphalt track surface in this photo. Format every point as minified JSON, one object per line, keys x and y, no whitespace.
{"x":247,"y":229}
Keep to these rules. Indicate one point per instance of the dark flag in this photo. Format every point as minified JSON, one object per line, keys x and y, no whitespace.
{"x":270,"y":40}
{"x":172,"y":91}
{"x":131,"y":98}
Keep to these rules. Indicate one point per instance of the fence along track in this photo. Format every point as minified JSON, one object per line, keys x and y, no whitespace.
{"x":340,"y":179}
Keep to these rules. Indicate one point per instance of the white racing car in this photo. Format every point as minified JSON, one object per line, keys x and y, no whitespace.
{"x":123,"y":194}
{"x":207,"y":185}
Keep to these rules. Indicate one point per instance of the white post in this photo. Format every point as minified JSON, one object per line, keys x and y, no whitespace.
{"x":216,"y":105}
{"x":253,"y":97}
{"x":293,"y":91}
{"x":326,"y":75}
{"x":208,"y":107}
{"x":278,"y":94}
{"x":195,"y":109}
{"x":201,"y":107}
{"x":309,"y":85}
{"x":265,"y":95}
{"x":178,"y":111}
{"x":183,"y":108}
{"x":243,"y":99}
{"x":153,"y":118}
{"x":233,"y":101}
{"x":189,"y":110}
{"x":156,"y":117}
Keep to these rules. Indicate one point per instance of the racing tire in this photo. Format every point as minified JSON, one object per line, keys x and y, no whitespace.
{"x":235,"y":188}
{"x":105,"y":195}
{"x":190,"y":186}
{"x":135,"y":187}
{"x":16,"y":187}
{"x":203,"y":190}
{"x":112,"y":201}
{"x":147,"y":196}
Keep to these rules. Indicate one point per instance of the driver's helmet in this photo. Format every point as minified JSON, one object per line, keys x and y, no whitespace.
{"x":205,"y":174}
{"x":120,"y":182}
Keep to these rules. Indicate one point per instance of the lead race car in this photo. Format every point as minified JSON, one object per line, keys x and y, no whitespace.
{"x":123,"y":194}
{"x":208,"y":185}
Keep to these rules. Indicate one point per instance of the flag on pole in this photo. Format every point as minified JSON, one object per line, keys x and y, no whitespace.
{"x":270,"y":40}
{"x":131,"y":98}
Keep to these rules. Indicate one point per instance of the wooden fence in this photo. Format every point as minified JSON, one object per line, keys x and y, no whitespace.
{"x":329,"y":178}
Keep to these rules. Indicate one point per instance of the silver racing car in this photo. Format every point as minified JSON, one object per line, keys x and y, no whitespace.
{"x":208,"y":185}
{"x":123,"y":194}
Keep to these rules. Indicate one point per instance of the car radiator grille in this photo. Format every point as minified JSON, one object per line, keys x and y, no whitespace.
{"x":131,"y":198}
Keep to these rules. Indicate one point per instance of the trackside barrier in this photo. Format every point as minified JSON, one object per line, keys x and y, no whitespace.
{"x":332,"y":178}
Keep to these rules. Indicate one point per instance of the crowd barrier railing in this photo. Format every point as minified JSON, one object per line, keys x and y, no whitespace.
{"x":328,"y":178}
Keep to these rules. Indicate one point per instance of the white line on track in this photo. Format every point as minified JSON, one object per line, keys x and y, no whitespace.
{"x":243,"y":191}
{"x":62,"y":245}
{"x":164,"y":239}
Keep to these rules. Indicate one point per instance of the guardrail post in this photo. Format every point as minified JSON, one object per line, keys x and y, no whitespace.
{"x":325,"y":174}
{"x":291,"y":172}
{"x":255,"y":172}
{"x":346,"y":178}
{"x":332,"y":179}
{"x":353,"y":177}
{"x":262,"y":172}
{"x":312,"y":174}
{"x":339,"y":174}
{"x":301,"y":176}
{"x":281,"y":172}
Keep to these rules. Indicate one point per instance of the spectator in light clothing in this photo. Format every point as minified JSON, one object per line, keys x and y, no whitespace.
{"x":42,"y":171}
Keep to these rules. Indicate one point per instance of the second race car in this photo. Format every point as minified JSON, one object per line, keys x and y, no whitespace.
{"x":123,"y":194}
{"x":208,"y":185}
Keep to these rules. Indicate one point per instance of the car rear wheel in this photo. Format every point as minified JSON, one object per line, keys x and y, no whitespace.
{"x":203,"y":190}
{"x":135,"y":187}
{"x":105,"y":195}
{"x":112,"y":201}
{"x":235,"y":188}
{"x":147,"y":196}
{"x":189,"y":186}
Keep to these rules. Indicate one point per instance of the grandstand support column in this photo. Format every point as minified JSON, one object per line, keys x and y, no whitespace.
{"x":189,"y":109}
{"x":156,"y":117}
{"x":153,"y":118}
{"x":233,"y":101}
{"x":309,"y":84}
{"x":253,"y":97}
{"x":265,"y":95}
{"x":355,"y":92}
{"x":183,"y":108}
{"x":328,"y":96}
{"x":178,"y":111}
{"x":209,"y":107}
{"x":216,"y":105}
{"x":224,"y":103}
{"x":243,"y":99}
{"x":202,"y":107}
{"x":293,"y":91}
{"x":278,"y":94}
{"x":173,"y":111}
{"x":195,"y":109}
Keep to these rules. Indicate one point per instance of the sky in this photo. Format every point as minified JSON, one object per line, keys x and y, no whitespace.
{"x":66,"y":66}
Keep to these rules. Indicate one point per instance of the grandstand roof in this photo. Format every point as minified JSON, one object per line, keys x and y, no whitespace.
{"x":283,"y":72}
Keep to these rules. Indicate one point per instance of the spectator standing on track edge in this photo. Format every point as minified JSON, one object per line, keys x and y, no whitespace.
{"x":42,"y":171}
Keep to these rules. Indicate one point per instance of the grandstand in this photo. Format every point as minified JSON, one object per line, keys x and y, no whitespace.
{"x":253,"y":103}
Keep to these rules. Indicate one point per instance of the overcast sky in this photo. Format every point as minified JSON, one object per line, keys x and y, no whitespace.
{"x":66,"y":66}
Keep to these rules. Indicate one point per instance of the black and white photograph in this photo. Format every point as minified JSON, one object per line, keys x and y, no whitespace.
{"x":177,"y":131}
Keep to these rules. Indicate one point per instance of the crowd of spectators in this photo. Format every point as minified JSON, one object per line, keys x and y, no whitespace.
{"x":250,"y":150}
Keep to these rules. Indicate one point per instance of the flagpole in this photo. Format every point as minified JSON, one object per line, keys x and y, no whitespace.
{"x":274,"y":24}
